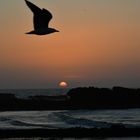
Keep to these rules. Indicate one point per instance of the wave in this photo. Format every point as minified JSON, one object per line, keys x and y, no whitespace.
{"x":66,"y":119}
{"x":27,"y":124}
{"x":13,"y":123}
{"x":81,"y":122}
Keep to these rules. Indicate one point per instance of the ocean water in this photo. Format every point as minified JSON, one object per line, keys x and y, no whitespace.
{"x":25,"y":93}
{"x":69,"y":119}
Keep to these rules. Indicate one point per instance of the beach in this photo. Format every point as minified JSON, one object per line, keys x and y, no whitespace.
{"x":83,"y":124}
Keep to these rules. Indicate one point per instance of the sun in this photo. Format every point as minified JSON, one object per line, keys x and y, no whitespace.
{"x":63,"y":84}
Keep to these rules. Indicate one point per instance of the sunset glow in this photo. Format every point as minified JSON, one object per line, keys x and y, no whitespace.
{"x":98,"y":44}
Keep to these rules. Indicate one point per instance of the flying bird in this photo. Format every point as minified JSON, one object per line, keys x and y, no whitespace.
{"x":41,"y":19}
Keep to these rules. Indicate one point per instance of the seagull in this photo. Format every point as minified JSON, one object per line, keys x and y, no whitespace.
{"x":41,"y":20}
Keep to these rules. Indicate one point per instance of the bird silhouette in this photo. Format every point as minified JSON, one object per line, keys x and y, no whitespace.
{"x":41,"y":20}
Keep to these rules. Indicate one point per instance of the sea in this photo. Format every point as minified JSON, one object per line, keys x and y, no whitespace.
{"x":25,"y":93}
{"x":130,"y":118}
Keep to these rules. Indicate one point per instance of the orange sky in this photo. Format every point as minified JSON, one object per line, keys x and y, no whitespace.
{"x":98,"y":44}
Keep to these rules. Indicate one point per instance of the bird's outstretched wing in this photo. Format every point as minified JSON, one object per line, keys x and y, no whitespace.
{"x":42,"y":17}
{"x":33,"y":7}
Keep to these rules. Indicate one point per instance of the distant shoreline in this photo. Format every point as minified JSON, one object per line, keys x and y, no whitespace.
{"x":75,"y":99}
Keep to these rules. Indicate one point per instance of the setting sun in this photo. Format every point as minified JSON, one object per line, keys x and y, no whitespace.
{"x":63,"y":84}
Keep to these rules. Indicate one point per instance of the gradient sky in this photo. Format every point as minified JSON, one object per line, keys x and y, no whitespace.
{"x":99,"y":44}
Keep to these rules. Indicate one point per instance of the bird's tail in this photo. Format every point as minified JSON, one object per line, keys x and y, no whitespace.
{"x":31,"y":32}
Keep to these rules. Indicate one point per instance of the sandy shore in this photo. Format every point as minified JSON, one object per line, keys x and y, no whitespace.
{"x":72,"y":132}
